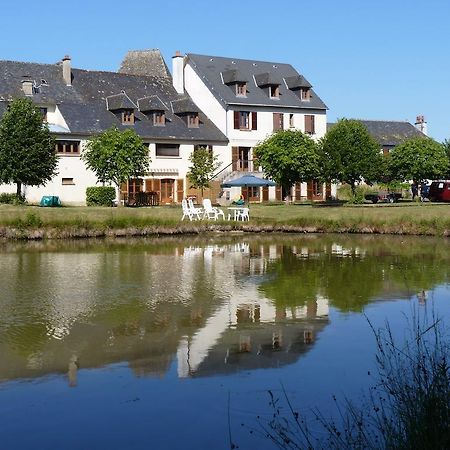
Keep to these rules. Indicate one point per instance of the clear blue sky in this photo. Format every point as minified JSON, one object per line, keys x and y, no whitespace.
{"x":382,"y":60}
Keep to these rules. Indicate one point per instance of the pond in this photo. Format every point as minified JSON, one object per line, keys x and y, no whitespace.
{"x":174,"y":343}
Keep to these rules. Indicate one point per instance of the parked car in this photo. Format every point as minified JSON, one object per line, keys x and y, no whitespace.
{"x":383,"y":196}
{"x":439,"y":191}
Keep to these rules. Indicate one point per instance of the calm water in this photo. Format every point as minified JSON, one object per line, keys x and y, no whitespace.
{"x":153,"y":344}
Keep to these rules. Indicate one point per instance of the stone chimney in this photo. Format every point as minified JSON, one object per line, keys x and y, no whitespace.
{"x":178,"y":72}
{"x":421,"y":125}
{"x":27,"y":85}
{"x":67,"y":70}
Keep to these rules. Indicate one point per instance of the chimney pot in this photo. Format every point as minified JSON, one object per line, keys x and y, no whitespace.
{"x":67,"y":70}
{"x":178,"y":72}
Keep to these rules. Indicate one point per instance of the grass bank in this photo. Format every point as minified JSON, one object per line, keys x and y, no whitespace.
{"x":32,"y":222}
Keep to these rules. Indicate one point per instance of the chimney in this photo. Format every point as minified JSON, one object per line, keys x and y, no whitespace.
{"x":67,"y":71}
{"x":27,"y":85}
{"x":421,"y":125}
{"x":178,"y":72}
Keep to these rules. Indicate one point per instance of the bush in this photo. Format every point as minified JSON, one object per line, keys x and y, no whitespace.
{"x":11,"y":199}
{"x":100,"y":195}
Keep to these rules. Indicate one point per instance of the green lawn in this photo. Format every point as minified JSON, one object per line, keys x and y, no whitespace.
{"x":405,"y":217}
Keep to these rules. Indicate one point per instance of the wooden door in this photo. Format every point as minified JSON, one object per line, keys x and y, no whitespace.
{"x":265,"y":194}
{"x":167,"y":190}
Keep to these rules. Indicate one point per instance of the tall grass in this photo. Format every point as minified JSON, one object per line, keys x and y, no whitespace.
{"x":408,"y":406}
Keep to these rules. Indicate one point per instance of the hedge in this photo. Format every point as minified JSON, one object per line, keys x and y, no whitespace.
{"x":100,"y":195}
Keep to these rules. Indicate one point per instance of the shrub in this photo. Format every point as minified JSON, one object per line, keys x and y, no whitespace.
{"x":11,"y":199}
{"x":100,"y":195}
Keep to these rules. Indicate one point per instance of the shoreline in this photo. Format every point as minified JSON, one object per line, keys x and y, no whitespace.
{"x":61,"y":232}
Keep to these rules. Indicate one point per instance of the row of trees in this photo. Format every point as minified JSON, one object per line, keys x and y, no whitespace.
{"x":349,"y":154}
{"x":346,"y":154}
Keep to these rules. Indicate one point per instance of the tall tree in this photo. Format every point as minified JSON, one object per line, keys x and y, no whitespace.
{"x":350,"y":154}
{"x":287,"y":157}
{"x":115,"y":156}
{"x":203,"y":166}
{"x":27,"y":149}
{"x":418,"y":159}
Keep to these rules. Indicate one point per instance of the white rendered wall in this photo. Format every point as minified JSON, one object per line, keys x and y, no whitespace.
{"x":204,"y":99}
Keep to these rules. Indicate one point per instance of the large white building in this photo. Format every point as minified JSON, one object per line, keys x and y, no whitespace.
{"x":78,"y":104}
{"x":248,"y":101}
{"x":228,"y":105}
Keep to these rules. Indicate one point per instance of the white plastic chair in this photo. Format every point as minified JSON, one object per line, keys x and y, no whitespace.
{"x":243,"y":214}
{"x":210,"y":212}
{"x":198,"y":212}
{"x":186,"y":210}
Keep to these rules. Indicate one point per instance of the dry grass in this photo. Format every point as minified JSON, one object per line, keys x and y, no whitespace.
{"x":403,"y":218}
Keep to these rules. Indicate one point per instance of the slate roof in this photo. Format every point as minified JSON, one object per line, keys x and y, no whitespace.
{"x":83,"y":104}
{"x":211,"y":69}
{"x":389,"y":133}
{"x":119,"y":101}
{"x":145,"y":62}
{"x":152,"y":103}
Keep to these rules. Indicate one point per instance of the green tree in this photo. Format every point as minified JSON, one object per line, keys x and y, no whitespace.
{"x":115,"y":156}
{"x":446,"y":145}
{"x":419,"y":159}
{"x":27,"y":149}
{"x":288,"y":157}
{"x":203,"y":166}
{"x":350,"y":154}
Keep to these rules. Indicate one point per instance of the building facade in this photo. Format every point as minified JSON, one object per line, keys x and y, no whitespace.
{"x":79,"y":104}
{"x":248,"y":101}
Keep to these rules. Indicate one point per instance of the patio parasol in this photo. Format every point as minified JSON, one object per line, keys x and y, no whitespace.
{"x":248,"y":181}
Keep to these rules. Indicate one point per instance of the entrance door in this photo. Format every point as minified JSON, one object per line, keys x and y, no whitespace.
{"x":244,"y":156}
{"x":167,"y":190}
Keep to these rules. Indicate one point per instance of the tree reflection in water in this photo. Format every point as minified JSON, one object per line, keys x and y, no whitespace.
{"x":216,"y":305}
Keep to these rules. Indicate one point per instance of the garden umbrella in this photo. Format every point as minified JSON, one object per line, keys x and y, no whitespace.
{"x":248,"y":181}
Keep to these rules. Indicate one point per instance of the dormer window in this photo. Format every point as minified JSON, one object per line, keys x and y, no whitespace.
{"x":192,"y":120}
{"x":159,"y":118}
{"x":305,"y":94}
{"x":241,"y":89}
{"x":274,"y":91}
{"x":127,"y":117}
{"x":43,"y":112}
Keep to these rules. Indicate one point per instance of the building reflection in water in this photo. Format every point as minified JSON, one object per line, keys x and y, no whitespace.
{"x":219,"y":308}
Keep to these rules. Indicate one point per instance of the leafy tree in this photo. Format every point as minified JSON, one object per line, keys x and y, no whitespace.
{"x":27,"y":149}
{"x":115,"y":156}
{"x":446,"y":145}
{"x":350,"y":154}
{"x":288,"y":157}
{"x":419,"y":159}
{"x":204,"y":165}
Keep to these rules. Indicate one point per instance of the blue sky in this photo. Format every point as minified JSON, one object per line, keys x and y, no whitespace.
{"x":381,"y":60}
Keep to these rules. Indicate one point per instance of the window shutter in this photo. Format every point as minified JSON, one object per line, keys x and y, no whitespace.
{"x":298,"y":191}
{"x":180,"y":189}
{"x":236,"y":120}
{"x":254,"y":120}
{"x":278,"y":193}
{"x":234,"y":157}
{"x":309,"y":190}
{"x":328,"y":191}
{"x":313,"y":129}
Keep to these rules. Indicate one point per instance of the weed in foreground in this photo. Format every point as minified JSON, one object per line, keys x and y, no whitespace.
{"x":408,"y":407}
